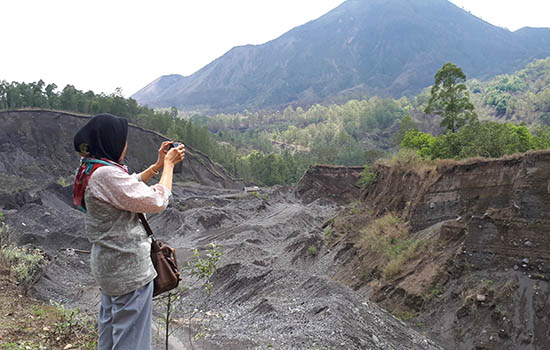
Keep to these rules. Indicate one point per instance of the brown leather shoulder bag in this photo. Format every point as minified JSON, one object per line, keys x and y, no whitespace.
{"x":164,"y":261}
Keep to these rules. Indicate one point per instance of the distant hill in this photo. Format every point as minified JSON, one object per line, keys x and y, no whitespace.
{"x":383,"y":47}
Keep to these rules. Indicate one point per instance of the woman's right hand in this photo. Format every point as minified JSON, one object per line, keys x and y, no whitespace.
{"x":175,"y":155}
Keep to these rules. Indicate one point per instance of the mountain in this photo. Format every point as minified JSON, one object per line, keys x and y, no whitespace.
{"x":384,"y":47}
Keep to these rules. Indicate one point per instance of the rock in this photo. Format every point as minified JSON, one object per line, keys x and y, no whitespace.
{"x":503,"y":334}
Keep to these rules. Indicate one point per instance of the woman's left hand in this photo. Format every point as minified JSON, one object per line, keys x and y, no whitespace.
{"x":161,"y":154}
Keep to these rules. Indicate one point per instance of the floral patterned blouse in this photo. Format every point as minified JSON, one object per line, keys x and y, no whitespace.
{"x":120,"y":257}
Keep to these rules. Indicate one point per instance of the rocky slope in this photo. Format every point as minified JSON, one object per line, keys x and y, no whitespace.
{"x":363,"y":47}
{"x":296,"y":272}
{"x":272,"y":288}
{"x":36,"y":149}
{"x":480,"y":279}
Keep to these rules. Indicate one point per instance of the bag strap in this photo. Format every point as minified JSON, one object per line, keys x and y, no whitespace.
{"x":145,"y":224}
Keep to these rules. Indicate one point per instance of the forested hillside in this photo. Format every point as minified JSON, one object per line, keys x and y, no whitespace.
{"x":260,"y":167}
{"x":276,"y":147}
{"x":522,"y":97}
{"x":361,"y":131}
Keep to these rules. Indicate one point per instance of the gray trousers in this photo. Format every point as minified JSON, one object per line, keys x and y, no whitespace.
{"x":125,"y":320}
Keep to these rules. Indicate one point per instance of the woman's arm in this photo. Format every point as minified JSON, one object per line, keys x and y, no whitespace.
{"x":126,"y":192}
{"x":148,"y":173}
{"x":154,"y":169}
{"x":114,"y":186}
{"x":173,"y":157}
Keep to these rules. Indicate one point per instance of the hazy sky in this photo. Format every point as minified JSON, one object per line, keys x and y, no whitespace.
{"x":103,"y":44}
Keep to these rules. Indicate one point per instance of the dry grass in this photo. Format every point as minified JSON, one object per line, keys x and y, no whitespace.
{"x":412,"y":251}
{"x":26,"y":323}
{"x":409,"y":160}
{"x":387,"y":238}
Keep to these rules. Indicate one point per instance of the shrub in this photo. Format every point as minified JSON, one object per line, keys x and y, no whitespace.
{"x":485,"y":139}
{"x":328,"y":236}
{"x":367,"y":176}
{"x":204,"y":268}
{"x":388,"y":238}
{"x":4,"y":232}
{"x":409,"y":250}
{"x":419,"y":141}
{"x":312,"y":250}
{"x":26,"y":265}
{"x":541,"y":138}
{"x":74,"y":325}
{"x":405,"y":315}
{"x":491,"y":139}
{"x":62,"y":181}
{"x":381,"y":234}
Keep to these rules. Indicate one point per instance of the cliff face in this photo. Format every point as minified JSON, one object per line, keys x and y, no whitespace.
{"x":36,"y":149}
{"x":336,"y":183}
{"x":518,"y":186}
{"x":480,"y":277}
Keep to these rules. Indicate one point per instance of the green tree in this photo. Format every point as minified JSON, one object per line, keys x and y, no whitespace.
{"x":493,"y":140}
{"x":450,"y":98}
{"x":406,"y":124}
{"x":420,"y":141}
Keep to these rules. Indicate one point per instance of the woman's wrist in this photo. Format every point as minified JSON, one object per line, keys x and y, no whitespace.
{"x":156,"y":167}
{"x":154,"y":170}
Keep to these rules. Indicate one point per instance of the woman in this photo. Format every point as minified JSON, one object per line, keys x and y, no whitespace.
{"x":120,"y":256}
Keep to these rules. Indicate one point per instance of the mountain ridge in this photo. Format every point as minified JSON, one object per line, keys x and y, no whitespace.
{"x":362,"y":47}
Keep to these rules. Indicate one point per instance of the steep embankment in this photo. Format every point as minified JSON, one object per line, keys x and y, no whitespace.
{"x":36,"y":149}
{"x":337,"y":183}
{"x":461,"y":250}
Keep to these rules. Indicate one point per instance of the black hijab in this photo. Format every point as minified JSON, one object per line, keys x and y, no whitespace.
{"x":104,"y":136}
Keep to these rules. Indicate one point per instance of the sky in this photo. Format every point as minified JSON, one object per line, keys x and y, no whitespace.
{"x":101,"y":45}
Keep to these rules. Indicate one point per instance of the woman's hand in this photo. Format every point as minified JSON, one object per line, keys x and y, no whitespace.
{"x":161,"y":155}
{"x":175,"y":155}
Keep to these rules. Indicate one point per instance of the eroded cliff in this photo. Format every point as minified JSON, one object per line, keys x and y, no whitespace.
{"x":36,"y":149}
{"x":459,"y":249}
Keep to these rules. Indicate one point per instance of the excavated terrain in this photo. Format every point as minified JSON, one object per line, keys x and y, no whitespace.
{"x":274,"y":285}
{"x":298,"y":270}
{"x":480,"y":279}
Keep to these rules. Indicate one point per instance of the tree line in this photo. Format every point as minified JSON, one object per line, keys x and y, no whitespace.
{"x":465,"y":136}
{"x":277,"y":147}
{"x":268,"y":168}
